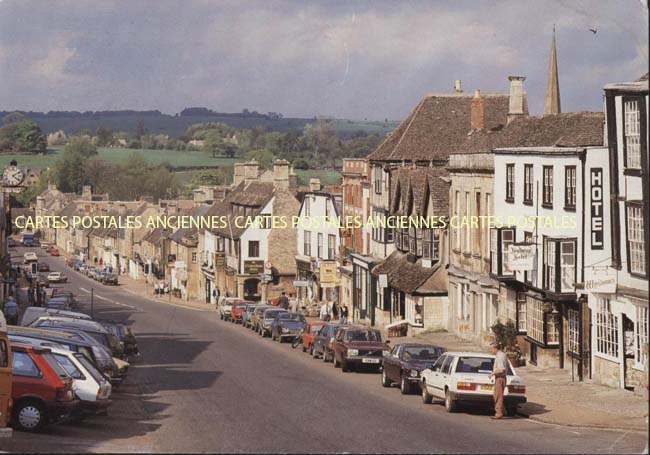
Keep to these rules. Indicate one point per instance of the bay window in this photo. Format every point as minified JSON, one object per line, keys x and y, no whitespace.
{"x":500,"y":241}
{"x":606,"y":329}
{"x":635,"y":240}
{"x":430,"y":244}
{"x":574,"y":330}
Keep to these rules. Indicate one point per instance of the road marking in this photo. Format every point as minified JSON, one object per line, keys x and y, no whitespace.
{"x":109,"y":300}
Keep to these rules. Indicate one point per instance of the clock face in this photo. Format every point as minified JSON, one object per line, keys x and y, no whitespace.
{"x":12,"y":176}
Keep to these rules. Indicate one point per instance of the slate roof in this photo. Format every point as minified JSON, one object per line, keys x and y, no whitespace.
{"x":572,"y":129}
{"x":413,"y":188}
{"x":410,"y":277}
{"x":190,"y":236}
{"x":438,"y":126}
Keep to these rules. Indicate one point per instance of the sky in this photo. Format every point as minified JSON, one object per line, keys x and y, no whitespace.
{"x":349,"y":59}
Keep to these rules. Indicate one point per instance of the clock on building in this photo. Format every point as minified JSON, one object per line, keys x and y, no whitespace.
{"x":13,"y":176}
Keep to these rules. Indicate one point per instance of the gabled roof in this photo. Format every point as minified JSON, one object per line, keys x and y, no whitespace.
{"x":438,"y":126}
{"x":415,"y":187}
{"x":411,"y":277}
{"x":190,"y":236}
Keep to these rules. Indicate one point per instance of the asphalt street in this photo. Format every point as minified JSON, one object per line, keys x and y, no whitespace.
{"x":205,"y":385}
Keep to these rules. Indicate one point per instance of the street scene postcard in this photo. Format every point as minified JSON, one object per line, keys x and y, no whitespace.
{"x":324,"y":226}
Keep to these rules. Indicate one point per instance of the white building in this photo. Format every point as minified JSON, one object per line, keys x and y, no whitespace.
{"x":620,"y":313}
{"x":318,"y":244}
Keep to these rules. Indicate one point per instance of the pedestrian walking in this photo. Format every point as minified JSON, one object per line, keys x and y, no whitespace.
{"x":11,"y":311}
{"x":283,"y":301}
{"x":323,"y":312}
{"x":30,"y":295}
{"x":39,"y":296}
{"x":499,"y":372}
{"x":335,"y":311}
{"x":43,"y":295}
{"x":345,"y":312}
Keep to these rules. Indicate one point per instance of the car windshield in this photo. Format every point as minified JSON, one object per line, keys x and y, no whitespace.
{"x":292,"y":317}
{"x":477,"y":365}
{"x":69,"y":366}
{"x":422,"y":353}
{"x":271,"y":314}
{"x":94,"y":372}
{"x":363,"y":335}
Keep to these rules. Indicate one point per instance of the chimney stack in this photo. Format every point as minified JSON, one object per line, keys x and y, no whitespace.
{"x":517,"y":102}
{"x":238,"y":174}
{"x":86,"y":193}
{"x":281,"y":174}
{"x":251,"y":171}
{"x":477,"y":114}
{"x":457,"y":86}
{"x":314,"y":184}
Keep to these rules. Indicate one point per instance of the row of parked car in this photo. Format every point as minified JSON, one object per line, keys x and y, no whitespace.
{"x":65,"y":364}
{"x":96,"y":273}
{"x":455,"y":378}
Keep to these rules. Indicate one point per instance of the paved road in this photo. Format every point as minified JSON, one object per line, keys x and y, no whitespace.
{"x":204,"y":385}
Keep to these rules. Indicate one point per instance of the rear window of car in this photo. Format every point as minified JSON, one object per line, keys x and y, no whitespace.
{"x":291,"y":316}
{"x":69,"y":366}
{"x":477,"y":365}
{"x":272,"y":314}
{"x":58,"y":369}
{"x":422,"y":353}
{"x":94,"y":372}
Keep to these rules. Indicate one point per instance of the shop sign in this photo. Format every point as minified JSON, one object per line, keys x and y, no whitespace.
{"x":253,"y":267}
{"x":301,"y":284}
{"x":328,"y":272}
{"x":600,"y":279}
{"x":220,"y":259}
{"x":596,"y":205}
{"x":521,"y":257}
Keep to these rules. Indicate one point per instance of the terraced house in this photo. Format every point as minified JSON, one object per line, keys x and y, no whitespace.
{"x":254,"y":261}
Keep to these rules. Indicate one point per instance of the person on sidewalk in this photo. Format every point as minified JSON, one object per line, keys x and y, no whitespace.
{"x":283,"y":301}
{"x":30,"y":295}
{"x":11,"y":311}
{"x":499,"y":374}
{"x":345,"y":312}
{"x":335,"y":311}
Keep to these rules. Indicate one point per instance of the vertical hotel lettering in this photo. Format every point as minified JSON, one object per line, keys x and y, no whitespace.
{"x":597,"y":208}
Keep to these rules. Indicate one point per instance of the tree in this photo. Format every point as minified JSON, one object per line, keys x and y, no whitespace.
{"x":219,"y":176}
{"x":214,"y":144}
{"x":140,"y":129}
{"x":23,"y":136}
{"x":104,"y":136}
{"x":81,"y":145}
{"x":264,"y":158}
{"x":13,"y":118}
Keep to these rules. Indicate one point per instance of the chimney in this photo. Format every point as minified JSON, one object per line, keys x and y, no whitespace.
{"x":86,"y":193}
{"x":477,"y":117}
{"x":281,"y":174}
{"x":251,"y":171}
{"x":314,"y":184}
{"x":238,"y":175}
{"x":457,"y":86}
{"x":517,"y":97}
{"x":293,"y":178}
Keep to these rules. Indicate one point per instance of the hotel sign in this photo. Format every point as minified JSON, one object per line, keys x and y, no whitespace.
{"x":253,"y":267}
{"x":521,"y":257}
{"x":596,"y":204}
{"x":601,"y":280}
{"x":328,"y":272}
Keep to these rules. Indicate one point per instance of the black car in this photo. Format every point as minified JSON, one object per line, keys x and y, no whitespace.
{"x":405,"y":362}
{"x":109,"y":278}
{"x":125,"y":335}
{"x":320,"y":347}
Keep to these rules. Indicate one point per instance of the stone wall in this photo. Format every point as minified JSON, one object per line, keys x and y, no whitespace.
{"x":606,"y":372}
{"x":633,"y":377}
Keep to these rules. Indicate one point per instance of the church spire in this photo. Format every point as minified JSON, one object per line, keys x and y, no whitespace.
{"x":552,"y":98}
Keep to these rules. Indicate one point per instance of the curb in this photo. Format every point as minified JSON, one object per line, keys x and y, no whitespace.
{"x":152,"y":299}
{"x":536,"y":418}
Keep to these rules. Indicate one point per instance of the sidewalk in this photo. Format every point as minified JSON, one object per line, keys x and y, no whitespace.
{"x":143,"y":289}
{"x":553,"y":398}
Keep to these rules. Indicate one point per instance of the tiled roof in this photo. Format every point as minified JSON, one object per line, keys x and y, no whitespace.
{"x":415,"y":187}
{"x":574,"y":129}
{"x":408,"y":276}
{"x":438,"y":126}
{"x":190,"y":236}
{"x":251,"y":194}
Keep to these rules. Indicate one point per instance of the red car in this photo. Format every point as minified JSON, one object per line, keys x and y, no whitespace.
{"x":237,"y":311}
{"x":41,"y":389}
{"x":311,"y":330}
{"x":54,"y":252}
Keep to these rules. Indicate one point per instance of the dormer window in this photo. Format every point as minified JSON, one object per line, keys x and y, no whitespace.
{"x":412,"y":241}
{"x":430,"y":244}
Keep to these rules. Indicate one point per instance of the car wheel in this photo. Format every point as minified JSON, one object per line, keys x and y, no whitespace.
{"x":325,"y":358}
{"x":450,"y":404}
{"x":304,"y":349}
{"x":29,"y":416}
{"x":312,"y":352}
{"x":405,"y":386}
{"x":511,"y":411}
{"x":384,"y":379}
{"x":426,"y":396}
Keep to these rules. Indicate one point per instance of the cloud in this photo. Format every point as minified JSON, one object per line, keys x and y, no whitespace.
{"x":362,"y":59}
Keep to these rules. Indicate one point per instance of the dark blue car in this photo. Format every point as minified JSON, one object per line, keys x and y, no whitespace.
{"x":287,"y":325}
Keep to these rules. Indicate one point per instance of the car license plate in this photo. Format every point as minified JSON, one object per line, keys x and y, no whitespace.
{"x":370,"y":360}
{"x":487,"y":387}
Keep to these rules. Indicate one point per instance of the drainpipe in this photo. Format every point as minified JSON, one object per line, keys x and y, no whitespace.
{"x":581,"y":301}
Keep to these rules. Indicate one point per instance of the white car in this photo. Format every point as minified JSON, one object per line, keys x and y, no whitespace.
{"x":462,"y":377}
{"x":30,"y":256}
{"x":90,"y":386}
{"x":225,"y":306}
{"x":57,"y":277}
